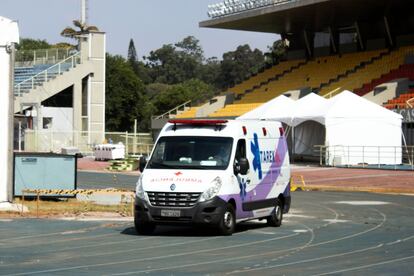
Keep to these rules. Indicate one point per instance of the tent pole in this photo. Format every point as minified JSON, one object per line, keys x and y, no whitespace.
{"x":293,"y":143}
{"x":406,"y":147}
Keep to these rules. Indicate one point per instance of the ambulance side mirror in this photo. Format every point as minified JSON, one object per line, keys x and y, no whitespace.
{"x":142,"y":163}
{"x":241,"y":166}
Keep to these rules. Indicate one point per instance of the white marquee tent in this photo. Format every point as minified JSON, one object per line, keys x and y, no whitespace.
{"x":280,"y":107}
{"x":353,"y":129}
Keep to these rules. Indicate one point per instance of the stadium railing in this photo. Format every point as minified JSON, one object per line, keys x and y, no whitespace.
{"x":53,"y":141}
{"x":381,"y":157}
{"x":26,"y":58}
{"x":47,"y":74}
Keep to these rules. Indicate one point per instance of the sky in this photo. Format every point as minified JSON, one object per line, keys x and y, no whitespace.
{"x":150,"y":23}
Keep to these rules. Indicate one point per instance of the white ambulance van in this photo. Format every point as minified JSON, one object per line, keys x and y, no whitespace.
{"x":214,"y":172}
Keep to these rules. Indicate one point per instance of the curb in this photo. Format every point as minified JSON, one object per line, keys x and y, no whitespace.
{"x":110,"y":172}
{"x":357,"y":189}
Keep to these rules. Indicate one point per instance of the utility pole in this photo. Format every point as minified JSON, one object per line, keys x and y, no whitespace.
{"x":84,"y":11}
{"x":9,"y":34}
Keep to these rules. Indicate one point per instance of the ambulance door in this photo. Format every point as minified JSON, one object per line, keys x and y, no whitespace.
{"x":245,"y":181}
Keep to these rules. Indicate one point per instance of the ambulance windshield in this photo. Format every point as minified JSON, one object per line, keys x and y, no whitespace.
{"x":191,"y":152}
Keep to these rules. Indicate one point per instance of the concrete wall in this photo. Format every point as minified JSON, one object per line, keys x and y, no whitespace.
{"x":386,"y":91}
{"x":214,"y":104}
{"x":298,"y":93}
{"x":93,"y":49}
{"x":62,"y":118}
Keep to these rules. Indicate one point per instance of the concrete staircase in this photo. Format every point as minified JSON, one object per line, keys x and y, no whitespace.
{"x":49,"y":82}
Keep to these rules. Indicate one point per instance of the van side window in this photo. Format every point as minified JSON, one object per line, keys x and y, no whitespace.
{"x":240,"y":154}
{"x":241,"y":149}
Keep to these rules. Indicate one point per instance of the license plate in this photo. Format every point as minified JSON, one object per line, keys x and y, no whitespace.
{"x":170,"y":213}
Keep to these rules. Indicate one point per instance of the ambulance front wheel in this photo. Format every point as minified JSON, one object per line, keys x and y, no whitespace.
{"x":143,"y":228}
{"x":275,"y":219}
{"x":227,"y":223}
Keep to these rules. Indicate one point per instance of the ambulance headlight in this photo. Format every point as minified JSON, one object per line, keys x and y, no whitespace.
{"x":212,"y":191}
{"x":139,"y":190}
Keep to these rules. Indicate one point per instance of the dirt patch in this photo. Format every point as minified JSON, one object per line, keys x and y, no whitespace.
{"x":69,"y":208}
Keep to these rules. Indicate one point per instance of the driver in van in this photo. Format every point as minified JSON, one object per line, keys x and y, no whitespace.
{"x":222,"y":155}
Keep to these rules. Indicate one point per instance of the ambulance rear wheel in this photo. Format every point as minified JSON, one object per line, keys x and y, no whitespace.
{"x":227,"y":223}
{"x":275,"y":219}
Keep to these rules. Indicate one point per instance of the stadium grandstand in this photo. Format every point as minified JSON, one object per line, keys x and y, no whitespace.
{"x":365,"y":46}
{"x":60,"y":92}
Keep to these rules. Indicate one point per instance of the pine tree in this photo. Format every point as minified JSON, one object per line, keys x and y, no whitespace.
{"x":132,"y":52}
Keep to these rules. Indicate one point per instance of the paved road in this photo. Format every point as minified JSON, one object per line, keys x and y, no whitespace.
{"x":326,"y":232}
{"x":96,"y":180}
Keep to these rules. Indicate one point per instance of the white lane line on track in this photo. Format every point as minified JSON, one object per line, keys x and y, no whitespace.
{"x":294,"y":250}
{"x":207,"y":262}
{"x":300,"y":231}
{"x":264,"y":232}
{"x":367,"y":266}
{"x":313,"y":259}
{"x":291,"y":249}
{"x":307,"y":245}
{"x":384,"y":218}
{"x":73,"y":232}
{"x":125,"y":251}
{"x":149,"y":247}
{"x":60,"y":241}
{"x":150,"y":258}
{"x":394,"y":242}
{"x":89,"y":246}
{"x":409,"y":238}
{"x":363,"y":202}
{"x":339,"y":239}
{"x":126,"y":219}
{"x":298,"y":216}
{"x":336,"y":220}
{"x":194,"y":252}
{"x":60,"y":233}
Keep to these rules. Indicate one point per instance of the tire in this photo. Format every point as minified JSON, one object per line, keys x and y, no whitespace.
{"x":227,"y":223}
{"x":143,"y":228}
{"x":275,"y":219}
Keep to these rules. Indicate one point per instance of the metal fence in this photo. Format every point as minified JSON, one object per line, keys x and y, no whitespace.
{"x":43,"y":56}
{"x":85,"y":141}
{"x":383,"y":157}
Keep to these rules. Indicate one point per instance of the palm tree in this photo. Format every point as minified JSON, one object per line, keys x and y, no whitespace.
{"x":83,"y":29}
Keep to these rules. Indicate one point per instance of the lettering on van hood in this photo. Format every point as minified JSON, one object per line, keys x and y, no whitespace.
{"x":188,"y":181}
{"x":175,"y":177}
{"x":176,"y":180}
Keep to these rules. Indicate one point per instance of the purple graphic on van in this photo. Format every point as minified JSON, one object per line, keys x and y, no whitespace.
{"x":265,"y":185}
{"x":257,"y":164}
{"x":242,"y":185}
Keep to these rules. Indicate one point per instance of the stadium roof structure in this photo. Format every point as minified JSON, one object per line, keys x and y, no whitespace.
{"x":313,"y":15}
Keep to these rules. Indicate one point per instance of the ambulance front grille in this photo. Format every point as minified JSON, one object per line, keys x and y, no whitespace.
{"x":171,"y":199}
